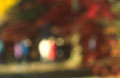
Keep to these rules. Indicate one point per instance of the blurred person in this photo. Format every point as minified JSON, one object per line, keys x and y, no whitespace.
{"x":25,"y":44}
{"x":47,"y":49}
{"x":92,"y":43}
{"x":2,"y":49}
{"x":63,"y":49}
{"x":44,"y":49}
{"x":18,"y":51}
{"x":91,"y":55}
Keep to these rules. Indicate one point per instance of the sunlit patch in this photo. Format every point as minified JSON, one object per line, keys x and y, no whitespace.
{"x":111,"y":30}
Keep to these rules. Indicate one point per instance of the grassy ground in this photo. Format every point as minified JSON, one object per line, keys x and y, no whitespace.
{"x":41,"y":70}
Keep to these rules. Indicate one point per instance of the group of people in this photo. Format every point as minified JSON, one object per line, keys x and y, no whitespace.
{"x":21,"y":49}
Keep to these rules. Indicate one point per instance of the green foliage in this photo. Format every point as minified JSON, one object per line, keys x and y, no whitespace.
{"x":116,"y":8}
{"x":32,"y":13}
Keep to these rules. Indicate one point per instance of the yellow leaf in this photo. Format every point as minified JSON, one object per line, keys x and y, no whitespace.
{"x":5,"y":5}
